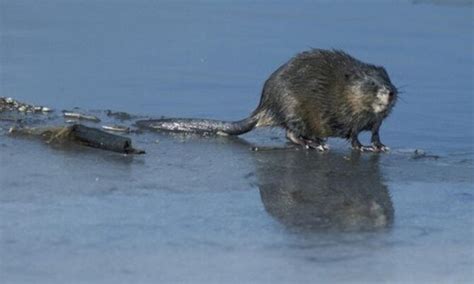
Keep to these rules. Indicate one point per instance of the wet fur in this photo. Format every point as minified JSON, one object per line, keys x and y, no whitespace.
{"x":315,"y":95}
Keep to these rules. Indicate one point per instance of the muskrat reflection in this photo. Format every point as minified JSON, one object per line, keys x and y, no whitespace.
{"x":324,"y":192}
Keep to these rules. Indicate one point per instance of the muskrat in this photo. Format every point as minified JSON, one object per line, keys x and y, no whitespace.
{"x":315,"y":95}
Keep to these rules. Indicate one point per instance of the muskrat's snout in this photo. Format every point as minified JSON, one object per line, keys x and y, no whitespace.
{"x":385,"y":98}
{"x":391,"y":95}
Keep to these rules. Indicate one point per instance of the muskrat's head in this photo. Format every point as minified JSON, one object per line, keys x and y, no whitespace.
{"x":372,"y":90}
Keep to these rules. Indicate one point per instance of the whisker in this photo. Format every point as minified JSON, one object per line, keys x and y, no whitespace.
{"x":401,"y":87}
{"x":401,"y":98}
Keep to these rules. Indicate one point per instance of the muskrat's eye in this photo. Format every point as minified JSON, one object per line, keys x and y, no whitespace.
{"x":372,"y":87}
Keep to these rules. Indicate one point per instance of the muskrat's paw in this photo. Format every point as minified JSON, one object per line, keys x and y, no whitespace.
{"x":368,"y":149}
{"x":365,"y":149}
{"x":321,"y":147}
{"x":381,"y":148}
{"x":372,"y":148}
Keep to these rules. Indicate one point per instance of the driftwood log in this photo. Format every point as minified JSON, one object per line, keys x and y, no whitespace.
{"x":83,"y":135}
{"x":97,"y":138}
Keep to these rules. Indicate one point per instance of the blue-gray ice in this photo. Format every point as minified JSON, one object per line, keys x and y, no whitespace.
{"x":209,"y":210}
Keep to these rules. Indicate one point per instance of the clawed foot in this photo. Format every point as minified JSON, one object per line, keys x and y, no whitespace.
{"x":307,"y":143}
{"x":321,"y":147}
{"x":383,"y":148}
{"x":372,"y":148}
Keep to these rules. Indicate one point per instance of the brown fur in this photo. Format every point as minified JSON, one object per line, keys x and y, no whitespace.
{"x":321,"y":93}
{"x":315,"y":95}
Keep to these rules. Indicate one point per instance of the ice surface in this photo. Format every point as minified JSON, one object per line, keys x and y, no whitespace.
{"x":209,"y":210}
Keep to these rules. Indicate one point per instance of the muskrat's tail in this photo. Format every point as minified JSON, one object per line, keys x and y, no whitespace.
{"x":200,"y":126}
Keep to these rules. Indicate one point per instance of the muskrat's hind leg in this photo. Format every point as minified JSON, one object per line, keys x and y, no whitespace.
{"x":317,"y":144}
{"x":295,"y":139}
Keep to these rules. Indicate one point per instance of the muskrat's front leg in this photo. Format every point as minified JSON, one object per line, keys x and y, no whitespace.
{"x":376,"y":144}
{"x":356,"y":145}
{"x":317,"y":144}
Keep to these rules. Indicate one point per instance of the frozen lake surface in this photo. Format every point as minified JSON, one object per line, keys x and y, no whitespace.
{"x":209,"y":210}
